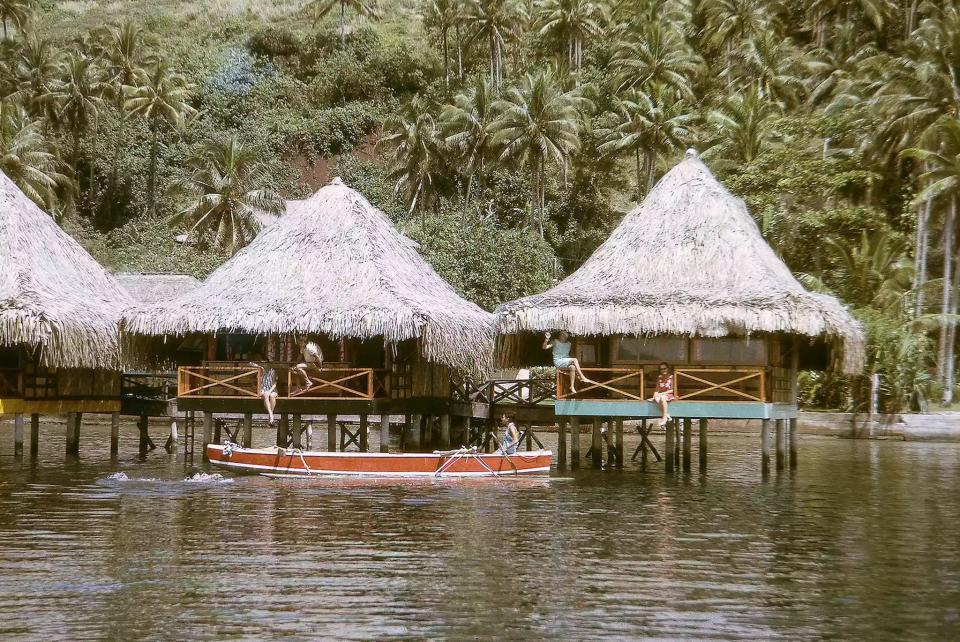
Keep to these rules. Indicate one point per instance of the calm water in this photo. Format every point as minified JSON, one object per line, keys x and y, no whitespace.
{"x":862,"y":541}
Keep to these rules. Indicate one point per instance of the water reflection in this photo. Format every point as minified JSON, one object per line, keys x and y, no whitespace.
{"x":863,"y":540}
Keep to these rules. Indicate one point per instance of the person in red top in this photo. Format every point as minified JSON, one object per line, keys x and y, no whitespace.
{"x":664,"y":394}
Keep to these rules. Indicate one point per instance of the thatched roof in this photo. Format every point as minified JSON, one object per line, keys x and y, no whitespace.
{"x":148,"y":288}
{"x":53,"y":295}
{"x":689,"y":260}
{"x":334,"y":264}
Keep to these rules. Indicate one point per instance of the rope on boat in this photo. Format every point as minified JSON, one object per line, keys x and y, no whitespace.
{"x":453,"y":456}
{"x":229,"y":448}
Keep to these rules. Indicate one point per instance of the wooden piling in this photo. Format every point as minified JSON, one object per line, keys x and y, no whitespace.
{"x":670,"y":448}
{"x":702,"y":451}
{"x":781,"y":444}
{"x":247,"y":438}
{"x":18,"y":435}
{"x":114,"y":434}
{"x":34,"y":435}
{"x":405,"y":432}
{"x":619,"y":443}
{"x":765,"y":445}
{"x":677,"y":437}
{"x":283,"y":430}
{"x":687,"y":439}
{"x":575,"y":442}
{"x":596,"y":444}
{"x":207,"y":433}
{"x":364,"y":437}
{"x":414,"y":442}
{"x":444,"y":431}
{"x":143,"y":426}
{"x":297,"y":432}
{"x":331,"y":433}
{"x":385,"y":432}
{"x":793,"y":443}
{"x":562,"y":442}
{"x":528,"y":430}
{"x":467,"y":425}
{"x":643,"y":446}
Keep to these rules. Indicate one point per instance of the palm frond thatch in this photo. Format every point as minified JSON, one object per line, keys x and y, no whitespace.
{"x":144,"y":287}
{"x":53,"y":295}
{"x":336,"y":265}
{"x":689,"y":260}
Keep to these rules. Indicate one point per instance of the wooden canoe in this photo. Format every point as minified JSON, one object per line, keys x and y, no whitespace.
{"x":455,"y":463}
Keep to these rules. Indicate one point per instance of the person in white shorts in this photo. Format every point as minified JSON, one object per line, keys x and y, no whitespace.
{"x":312,"y":357}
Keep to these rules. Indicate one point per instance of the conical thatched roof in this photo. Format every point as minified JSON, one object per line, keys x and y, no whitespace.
{"x":688,"y":260}
{"x":52,"y":293}
{"x":334,"y":264}
{"x":150,"y":288}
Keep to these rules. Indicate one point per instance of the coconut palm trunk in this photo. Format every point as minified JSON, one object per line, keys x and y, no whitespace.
{"x":946,"y":301}
{"x":951,"y":366}
{"x":636,"y":154}
{"x":534,"y":192}
{"x":152,"y":174}
{"x":923,"y":241}
{"x":343,"y":24}
{"x":651,"y":160}
{"x":446,"y":62}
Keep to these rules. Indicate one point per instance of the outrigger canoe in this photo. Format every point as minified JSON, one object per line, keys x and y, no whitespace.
{"x":464,"y":462}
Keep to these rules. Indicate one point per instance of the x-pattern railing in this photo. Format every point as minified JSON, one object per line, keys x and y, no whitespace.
{"x":335,"y":384}
{"x":625,"y":382}
{"x":523,"y":392}
{"x":218,"y":381}
{"x":731,"y":378}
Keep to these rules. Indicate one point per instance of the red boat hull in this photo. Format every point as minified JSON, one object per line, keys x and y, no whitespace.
{"x":282,"y":462}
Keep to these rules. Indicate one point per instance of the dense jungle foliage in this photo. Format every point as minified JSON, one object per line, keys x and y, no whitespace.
{"x":509,"y":136}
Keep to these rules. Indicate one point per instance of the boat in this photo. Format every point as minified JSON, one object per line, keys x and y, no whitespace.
{"x":293,"y":462}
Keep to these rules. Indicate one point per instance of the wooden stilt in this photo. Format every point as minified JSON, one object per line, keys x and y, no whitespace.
{"x":765,"y":445}
{"x":687,"y":439}
{"x":34,"y":435}
{"x":619,"y":443}
{"x":643,"y":446}
{"x":331,"y":433}
{"x":781,"y":444}
{"x":671,"y":446}
{"x":173,"y":437}
{"x":143,"y":427}
{"x":562,"y":442}
{"x":114,"y":434}
{"x":364,"y":436}
{"x":297,"y":431}
{"x":528,"y":431}
{"x":414,"y":441}
{"x":444,"y":432}
{"x":677,"y":435}
{"x":467,"y":426}
{"x":596,"y":444}
{"x":793,"y":443}
{"x":71,"y":418}
{"x":207,"y":433}
{"x":575,"y":442}
{"x":18,"y":436}
{"x":405,"y":432}
{"x":385,"y":432}
{"x":703,"y":445}
{"x":247,"y":438}
{"x":283,"y":430}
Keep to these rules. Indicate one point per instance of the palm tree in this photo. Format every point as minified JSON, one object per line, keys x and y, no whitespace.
{"x":773,"y":63}
{"x":465,"y":125}
{"x":648,"y":126}
{"x":570,"y":21}
{"x":743,"y":127}
{"x":27,"y":158}
{"x":77,"y":97}
{"x":491,"y":20}
{"x":444,"y":15}
{"x":226,"y":194}
{"x":322,"y":8}
{"x":659,"y":56}
{"x":730,"y":22}
{"x":16,"y":12}
{"x":416,"y":153}
{"x":37,"y":70}
{"x":538,"y":124}
{"x":877,"y":13}
{"x":160,"y":97}
{"x":828,"y":70}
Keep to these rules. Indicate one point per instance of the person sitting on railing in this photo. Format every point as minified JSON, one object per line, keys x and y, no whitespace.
{"x":562,"y":360}
{"x":312,"y":357}
{"x":664,"y":394}
{"x":268,"y":386}
{"x":511,"y":436}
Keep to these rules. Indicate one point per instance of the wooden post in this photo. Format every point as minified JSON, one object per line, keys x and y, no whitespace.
{"x":414,"y":441}
{"x":405,"y":432}
{"x":619,"y":443}
{"x":703,"y":445}
{"x":781,"y":444}
{"x":562,"y":442}
{"x":793,"y":443}
{"x":115,"y":434}
{"x":364,"y":426}
{"x":331,"y":433}
{"x":668,"y":459}
{"x":444,"y":431}
{"x":18,"y":435}
{"x":247,"y":437}
{"x":207,"y":433}
{"x":529,"y":433}
{"x":384,"y":432}
{"x":34,"y":435}
{"x":596,"y":444}
{"x":765,"y":445}
{"x":575,"y":442}
{"x":143,"y":426}
{"x":677,"y":435}
{"x":297,"y":429}
{"x":71,"y":419}
{"x":687,"y":439}
{"x":467,"y":425}
{"x":283,"y":431}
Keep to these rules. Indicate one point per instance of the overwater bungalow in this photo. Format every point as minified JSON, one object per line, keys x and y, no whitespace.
{"x":686,"y":278}
{"x":59,"y":316}
{"x":333,"y":270}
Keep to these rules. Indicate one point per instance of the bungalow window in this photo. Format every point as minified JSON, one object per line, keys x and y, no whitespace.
{"x":730,"y":351}
{"x":650,"y":349}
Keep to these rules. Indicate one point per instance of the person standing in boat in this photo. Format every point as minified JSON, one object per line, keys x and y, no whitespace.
{"x":664,"y":394}
{"x":511,"y":436}
{"x":562,"y":360}
{"x":312,"y":356}
{"x":268,"y":385}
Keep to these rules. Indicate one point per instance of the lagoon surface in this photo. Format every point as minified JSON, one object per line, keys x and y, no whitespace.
{"x":861,"y":541}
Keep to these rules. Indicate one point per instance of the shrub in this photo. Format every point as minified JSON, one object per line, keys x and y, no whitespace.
{"x":272,"y":42}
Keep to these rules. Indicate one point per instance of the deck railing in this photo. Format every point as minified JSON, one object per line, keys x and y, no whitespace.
{"x":721,"y":383}
{"x":148,"y":386}
{"x":605,"y":383}
{"x":244,"y":382}
{"x":338,"y":383}
{"x":218,"y":381}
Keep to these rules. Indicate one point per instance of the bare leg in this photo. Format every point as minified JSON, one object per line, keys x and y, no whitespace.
{"x":301,"y":369}
{"x":266,"y":405}
{"x":271,"y":405}
{"x":583,"y":377}
{"x":572,"y":373}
